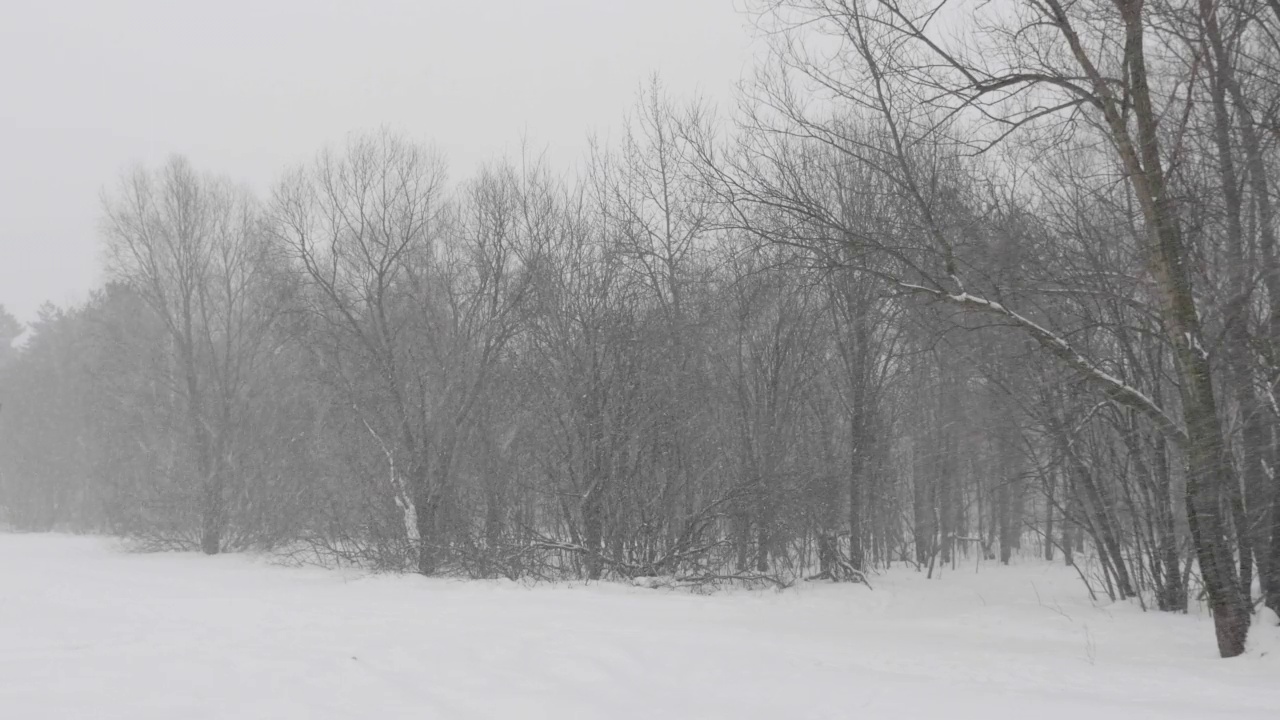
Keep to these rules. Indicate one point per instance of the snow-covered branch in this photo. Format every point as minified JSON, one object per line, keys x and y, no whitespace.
{"x":1114,"y":388}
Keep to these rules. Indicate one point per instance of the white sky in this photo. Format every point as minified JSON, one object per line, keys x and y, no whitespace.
{"x":248,"y":88}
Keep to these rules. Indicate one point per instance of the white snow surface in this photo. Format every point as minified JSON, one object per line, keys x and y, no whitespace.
{"x":90,"y":631}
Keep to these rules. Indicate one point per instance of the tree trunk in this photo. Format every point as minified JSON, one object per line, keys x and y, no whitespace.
{"x":426,"y":507}
{"x":857,"y":468}
{"x":593,"y":530}
{"x":1048,"y":515}
{"x":212,"y":510}
{"x":924,"y":529}
{"x":1003,"y":521}
{"x":1209,"y":468}
{"x":208,"y":473}
{"x":946,"y":472}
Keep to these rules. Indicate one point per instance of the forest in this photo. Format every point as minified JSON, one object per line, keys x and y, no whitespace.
{"x":951,"y":284}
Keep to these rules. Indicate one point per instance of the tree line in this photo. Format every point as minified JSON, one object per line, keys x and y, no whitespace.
{"x":952,"y":284}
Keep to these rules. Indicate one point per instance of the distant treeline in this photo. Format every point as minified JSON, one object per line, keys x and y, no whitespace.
{"x":924,"y":300}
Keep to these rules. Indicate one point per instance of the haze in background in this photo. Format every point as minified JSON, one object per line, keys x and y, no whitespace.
{"x":248,"y":88}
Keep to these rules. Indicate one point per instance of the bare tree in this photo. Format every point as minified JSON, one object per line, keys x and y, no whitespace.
{"x":193,"y":248}
{"x":1085,"y":65}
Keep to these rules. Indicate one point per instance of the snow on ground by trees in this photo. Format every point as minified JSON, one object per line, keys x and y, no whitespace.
{"x":93,"y":632}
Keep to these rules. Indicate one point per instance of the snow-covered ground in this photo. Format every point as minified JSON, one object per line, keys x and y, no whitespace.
{"x":88,"y":631}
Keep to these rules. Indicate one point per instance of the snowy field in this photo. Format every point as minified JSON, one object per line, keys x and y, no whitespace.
{"x":87,"y":631}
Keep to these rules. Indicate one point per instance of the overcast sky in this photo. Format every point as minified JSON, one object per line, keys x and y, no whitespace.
{"x":248,"y":88}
